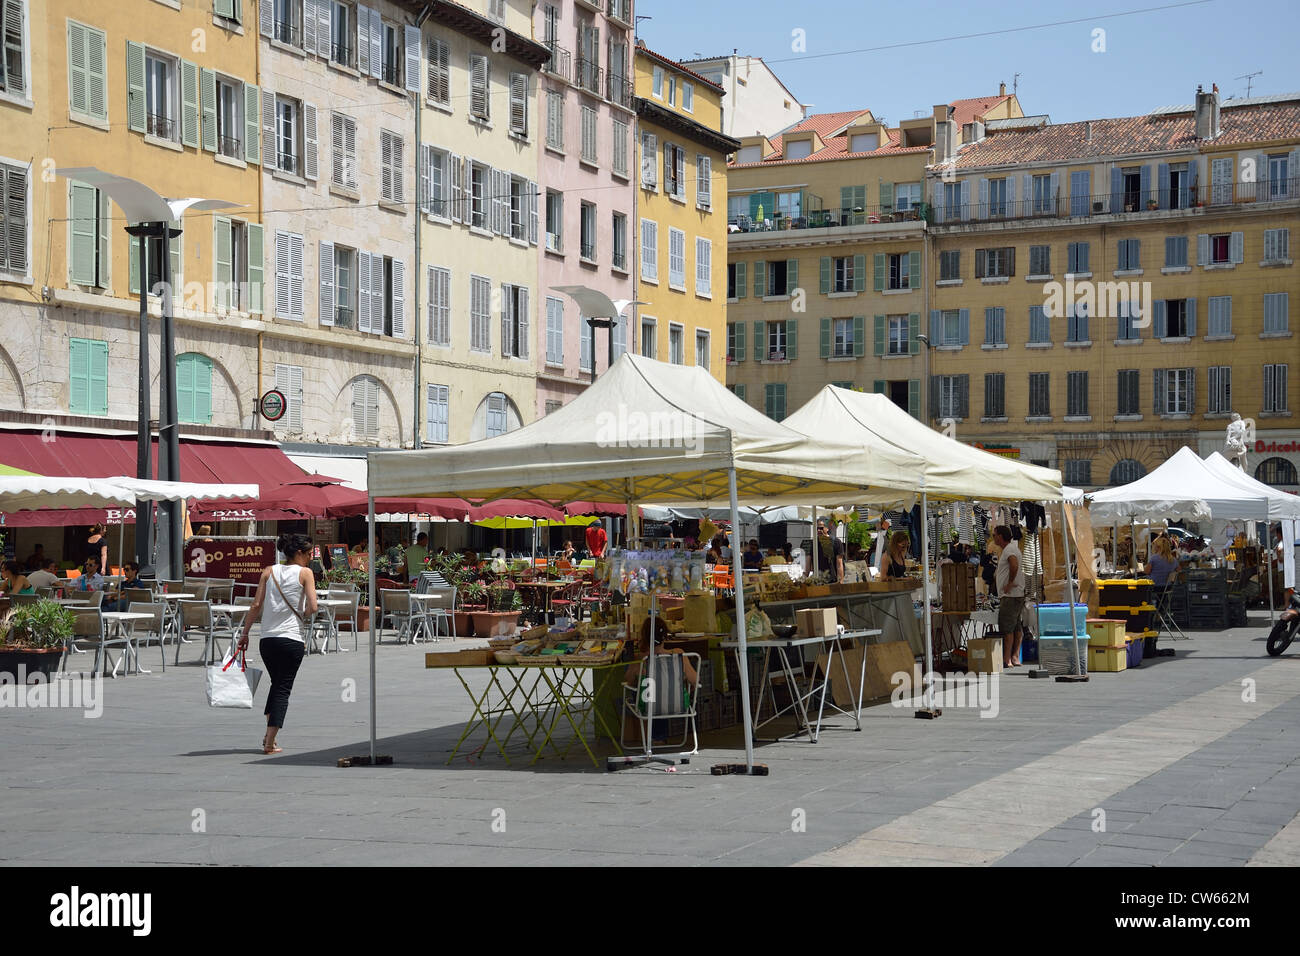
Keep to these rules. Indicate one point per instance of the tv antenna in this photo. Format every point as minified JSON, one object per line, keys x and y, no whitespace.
{"x":1015,"y":84}
{"x":1249,"y":78}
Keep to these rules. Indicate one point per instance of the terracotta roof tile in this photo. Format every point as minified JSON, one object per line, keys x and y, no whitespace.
{"x":968,"y":110}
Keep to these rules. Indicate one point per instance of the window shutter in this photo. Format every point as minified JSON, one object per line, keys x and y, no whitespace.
{"x":376,"y":45}
{"x":185,"y":388}
{"x":859,"y":273}
{"x":324,"y":28}
{"x":1162,"y":180}
{"x":202,"y":376}
{"x":295,"y":276}
{"x":359,"y":408}
{"x":1116,"y":189}
{"x":826,"y":338}
{"x":963,"y":396}
{"x":741,"y":277}
{"x":825,"y":274}
{"x":936,"y":322}
{"x":1158,"y":397}
{"x":252,"y":129}
{"x":455,"y":172}
{"x":424,"y":198}
{"x":534,"y":219}
{"x":964,"y":325}
{"x":309,"y":28}
{"x":859,"y":336}
{"x":761,"y":348}
{"x":135,"y":99}
{"x":224,"y":261}
{"x":97,"y":378}
{"x":256,"y":269}
{"x":519,"y":103}
{"x":1159,"y":320}
{"x":399,"y":299}
{"x":913,"y":333}
{"x":669,"y":189}
{"x":1237,"y":247}
{"x":327,"y":283}
{"x":399,"y":169}
{"x":879,"y":330}
{"x":439,"y":71}
{"x":1191,"y":318}
{"x":649,"y":159}
{"x":679,"y":166}
{"x":85,"y":234}
{"x":914,"y":270}
{"x":268,"y":130}
{"x":704,"y":182}
{"x":79,"y":377}
{"x":189,"y":103}
{"x":878,"y":270}
{"x":208,"y":105}
{"x":791,"y":339}
{"x":478,"y":86}
{"x":363,"y":292}
{"x":760,"y":279}
{"x":1202,"y":249}
{"x":78,"y":82}
{"x":265,"y":17}
{"x":283,"y":298}
{"x":524,"y":324}
{"x":363,"y":38}
{"x":791,"y":276}
{"x":507,"y":322}
{"x":309,"y":141}
{"x":411,"y":42}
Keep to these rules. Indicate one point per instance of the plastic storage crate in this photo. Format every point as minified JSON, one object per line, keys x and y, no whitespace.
{"x":1057,"y":656}
{"x":1104,"y":632}
{"x":1104,"y":659}
{"x":1054,"y":619}
{"x":1134,"y":649}
{"x":1136,"y":618}
{"x":1125,"y":592}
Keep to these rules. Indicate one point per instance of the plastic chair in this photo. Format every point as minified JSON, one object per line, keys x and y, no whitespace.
{"x":197,"y":617}
{"x":674,"y":697}
{"x":87,"y":632}
{"x":347,"y":615}
{"x":395,"y":607}
{"x":441,"y":608}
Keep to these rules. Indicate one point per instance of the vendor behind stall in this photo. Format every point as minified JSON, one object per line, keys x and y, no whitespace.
{"x":893,"y":563}
{"x":832,"y":553}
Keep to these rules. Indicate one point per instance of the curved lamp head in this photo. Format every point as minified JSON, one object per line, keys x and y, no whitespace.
{"x":595,"y":304}
{"x":138,"y":201}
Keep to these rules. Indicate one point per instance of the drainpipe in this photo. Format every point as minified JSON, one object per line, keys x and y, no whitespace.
{"x":415,"y":299}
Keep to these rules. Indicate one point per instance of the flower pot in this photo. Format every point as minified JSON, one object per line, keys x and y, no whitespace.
{"x":30,"y":660}
{"x":363,"y":618}
{"x":465,"y":621}
{"x":1152,"y":206}
{"x":495,"y":623}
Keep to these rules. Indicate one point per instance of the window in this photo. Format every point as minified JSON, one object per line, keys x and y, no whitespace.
{"x":479,"y":198}
{"x":160,"y":97}
{"x":995,"y":395}
{"x":555,"y":119}
{"x":950,"y":265}
{"x":1076,"y":394}
{"x":588,"y":73}
{"x":995,"y":263}
{"x":88,"y":377}
{"x":13,"y":49}
{"x":843,"y":279}
{"x":649,"y":160}
{"x":737,"y":206}
{"x":1128,"y":255}
{"x":775,"y":277}
{"x":194,"y":388}
{"x":853,"y":205}
{"x":619,"y":257}
{"x":289,"y":138}
{"x":514,"y":321}
{"x":392,"y":53}
{"x":1126,"y":471}
{"x":649,"y":250}
{"x":619,"y":87}
{"x":387,"y":295}
{"x":154,"y":262}
{"x":735,"y":342}
{"x":995,"y":326}
{"x":393,"y":173}
{"x":620,"y":147}
{"x":843,"y":343}
{"x":688,"y":97}
{"x":1275,"y":388}
{"x":497,"y":10}
{"x":1277,"y":245}
{"x":1040,"y":405}
{"x":338,"y":301}
{"x":1278,"y":184}
{"x":498,"y":416}
{"x":672,"y":90}
{"x":1077,"y":323}
{"x":1130,"y":183}
{"x":1174,"y":391}
{"x":587,"y":226}
{"x":238,"y":266}
{"x":951,"y":330}
{"x":285,"y":22}
{"x":224,"y":128}
{"x":88,"y":226}
{"x":1129,"y":398}
{"x":343,"y":152}
{"x":1220,"y":315}
{"x":997,"y":197}
{"x":1077,"y":258}
{"x":1224,"y":248}
{"x":864,"y":142}
{"x":586,"y":345}
{"x":1043,"y":198}
{"x":1125,"y":329}
{"x":1175,"y":318}
{"x":952,"y":200}
{"x":439,"y":306}
{"x":521,"y":199}
{"x":677,"y":259}
{"x":702,"y":349}
{"x":365,"y":408}
{"x":676,"y":354}
{"x":1077,"y":471}
{"x":798,"y":149}
{"x":554,"y":220}
{"x":1276,"y":312}
{"x":438,"y":417}
{"x":776,"y":341}
{"x":479,"y":100}
{"x":675,"y":171}
{"x":900,"y":335}
{"x":703,"y":267}
{"x":436,"y":181}
{"x":87,"y":56}
{"x":1219,"y":401}
{"x":342,"y":36}
{"x":288,"y":275}
{"x":657,"y":83}
{"x":951,"y":394}
{"x":649,"y":327}
{"x":1277,"y":471}
{"x":704,"y":183}
{"x":480,"y":314}
{"x":907,"y":196}
{"x":554,"y":331}
{"x":774,"y":401}
{"x":288,"y":381}
{"x":519,"y":104}
{"x":1040,"y":332}
{"x":898,"y":275}
{"x":588,"y":135}
{"x":1175,"y":252}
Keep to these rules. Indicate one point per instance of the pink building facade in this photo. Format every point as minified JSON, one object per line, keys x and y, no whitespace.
{"x":585,"y":176}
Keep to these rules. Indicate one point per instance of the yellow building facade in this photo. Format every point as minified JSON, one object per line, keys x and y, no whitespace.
{"x":681,"y":228}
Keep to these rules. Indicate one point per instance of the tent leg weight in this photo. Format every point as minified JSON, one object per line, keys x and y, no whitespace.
{"x":722,"y":769}
{"x":1039,"y":673}
{"x":927,"y":713}
{"x":381,"y":760}
{"x":1072,"y":678}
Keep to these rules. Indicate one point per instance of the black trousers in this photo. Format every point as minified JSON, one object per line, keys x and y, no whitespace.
{"x":282,"y":657}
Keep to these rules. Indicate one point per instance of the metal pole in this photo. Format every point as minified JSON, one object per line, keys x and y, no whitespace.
{"x":741,"y":635}
{"x":817,"y":543}
{"x":591,"y":325}
{"x":370,"y":571}
{"x":144,"y":440}
{"x":171,"y":527}
{"x":925,"y":597}
{"x":1066,"y":529}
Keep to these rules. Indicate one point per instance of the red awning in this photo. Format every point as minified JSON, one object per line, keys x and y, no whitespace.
{"x":453,"y":509}
{"x":104,"y":456}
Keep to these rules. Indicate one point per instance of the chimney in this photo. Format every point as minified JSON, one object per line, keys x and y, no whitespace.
{"x":1087,"y":131}
{"x":1002,"y":89}
{"x":1207,"y":113}
{"x":945,"y":134}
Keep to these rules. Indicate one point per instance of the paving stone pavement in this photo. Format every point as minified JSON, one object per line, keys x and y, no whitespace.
{"x":1186,"y":771}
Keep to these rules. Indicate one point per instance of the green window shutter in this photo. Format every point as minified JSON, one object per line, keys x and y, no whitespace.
{"x":97,"y":74}
{"x":740,"y":392}
{"x":846,"y":199}
{"x":878,"y":272}
{"x":224,"y":259}
{"x":879,"y":385}
{"x":79,"y":377}
{"x":105,"y":239}
{"x":878,"y":339}
{"x":98,"y":378}
{"x":791,"y":339}
{"x":252,"y":124}
{"x":134,"y":267}
{"x":85,"y":234}
{"x":202,"y":389}
{"x":859,"y":336}
{"x":913,"y":331}
{"x":741,"y":280}
{"x":185,"y":388}
{"x":914,"y":397}
{"x":208,"y":101}
{"x":189,"y":103}
{"x":886,"y":196}
{"x":760,"y":341}
{"x":225,"y":8}
{"x":791,"y":275}
{"x":860,"y":197}
{"x":135,"y":103}
{"x":760,"y":279}
{"x":826,"y":274}
{"x":255,"y":268}
{"x":826,"y":338}
{"x":859,"y":273}
{"x":914,"y":270}
{"x":740,"y":341}
{"x":78,"y":81}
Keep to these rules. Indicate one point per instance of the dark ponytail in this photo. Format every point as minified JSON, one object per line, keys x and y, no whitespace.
{"x":291,"y":545}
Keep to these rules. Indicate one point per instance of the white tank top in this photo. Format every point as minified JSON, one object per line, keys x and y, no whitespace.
{"x":278,"y":618}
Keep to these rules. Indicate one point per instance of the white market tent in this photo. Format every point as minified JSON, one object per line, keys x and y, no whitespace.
{"x":647,"y":431}
{"x":29,"y":492}
{"x":1280,"y":504}
{"x":147,"y":489}
{"x":1184,"y":487}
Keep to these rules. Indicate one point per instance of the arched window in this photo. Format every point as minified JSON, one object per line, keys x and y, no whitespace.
{"x":495,"y":415}
{"x":1125,"y":471}
{"x":1276,"y":471}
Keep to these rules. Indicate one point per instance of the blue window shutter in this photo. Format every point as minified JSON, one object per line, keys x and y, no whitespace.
{"x":1144,"y":184}
{"x":1116,"y":189}
{"x":935,"y":316}
{"x":1163,"y":180}
{"x":984,"y":198}
{"x":964,"y":320}
{"x":1191,"y":318}
{"x":1159,"y":321}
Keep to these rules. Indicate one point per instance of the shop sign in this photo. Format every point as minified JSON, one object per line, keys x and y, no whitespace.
{"x":240,"y":558}
{"x":273,"y":405}
{"x":1264,"y":447}
{"x":1006,"y":451}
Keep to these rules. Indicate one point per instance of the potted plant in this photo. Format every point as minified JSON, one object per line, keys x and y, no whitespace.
{"x":1152,"y":205}
{"x":361,"y":579}
{"x":33,"y":637}
{"x":473,"y":600}
{"x":502,"y":614}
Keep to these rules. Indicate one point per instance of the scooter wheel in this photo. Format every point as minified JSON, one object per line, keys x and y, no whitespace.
{"x":1282,"y":635}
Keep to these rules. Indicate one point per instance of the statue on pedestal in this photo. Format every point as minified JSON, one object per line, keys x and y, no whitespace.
{"x":1234,"y":448}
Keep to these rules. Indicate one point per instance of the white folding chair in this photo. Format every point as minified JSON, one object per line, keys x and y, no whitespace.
{"x":673,"y":697}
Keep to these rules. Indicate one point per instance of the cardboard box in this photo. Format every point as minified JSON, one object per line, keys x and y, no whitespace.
{"x":984,"y":655}
{"x":699,"y":612}
{"x":1107,"y":660}
{"x":816,"y":621}
{"x":883,"y":663}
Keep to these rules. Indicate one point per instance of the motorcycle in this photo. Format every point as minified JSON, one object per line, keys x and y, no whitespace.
{"x":1284,"y":631}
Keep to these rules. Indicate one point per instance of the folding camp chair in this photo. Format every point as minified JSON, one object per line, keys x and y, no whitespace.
{"x":669,"y":697}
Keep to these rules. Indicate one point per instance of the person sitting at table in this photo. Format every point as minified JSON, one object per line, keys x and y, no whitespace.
{"x":130,"y":579}
{"x":714,"y":554}
{"x":15,"y":581}
{"x":752,"y":559}
{"x":632,"y":675}
{"x":893,"y":563}
{"x":568,"y":553}
{"x":1162,"y":564}
{"x":36,"y":560}
{"x":90,"y":579}
{"x":47,"y":576}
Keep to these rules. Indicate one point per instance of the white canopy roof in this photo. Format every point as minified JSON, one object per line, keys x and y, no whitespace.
{"x":143,"y":489}
{"x":761,"y":515}
{"x":951,"y":469}
{"x":1184,"y":487}
{"x":649,"y":431}
{"x":29,"y":492}
{"x":1280,"y":503}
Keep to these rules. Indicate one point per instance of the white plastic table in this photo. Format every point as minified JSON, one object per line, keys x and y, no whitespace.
{"x":124,"y":623}
{"x":333,"y":625}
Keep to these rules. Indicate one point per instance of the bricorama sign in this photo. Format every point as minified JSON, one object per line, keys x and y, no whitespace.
{"x":1006,"y":451}
{"x":1266,"y":447}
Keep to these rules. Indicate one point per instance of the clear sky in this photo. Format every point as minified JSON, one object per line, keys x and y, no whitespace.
{"x":1142,"y":61}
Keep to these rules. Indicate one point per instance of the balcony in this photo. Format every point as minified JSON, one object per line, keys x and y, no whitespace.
{"x":163,"y":127}
{"x":286,"y":32}
{"x":621,"y":10}
{"x":552,"y":242}
{"x":560,"y":63}
{"x":343,"y":55}
{"x":343,"y":318}
{"x":588,"y":250}
{"x":589,"y":76}
{"x":618,"y":89}
{"x":1127,"y":203}
{"x":619,"y":261}
{"x":829,"y":218}
{"x":391,"y":73}
{"x":230,"y":147}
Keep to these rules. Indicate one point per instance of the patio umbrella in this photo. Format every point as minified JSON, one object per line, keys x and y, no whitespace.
{"x":310,"y":497}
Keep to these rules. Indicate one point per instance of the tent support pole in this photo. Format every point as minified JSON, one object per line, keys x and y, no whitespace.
{"x":1066,"y":530}
{"x":927,"y":711}
{"x":370,"y":571}
{"x":741,"y":629}
{"x":1268,"y":568}
{"x":817,"y":544}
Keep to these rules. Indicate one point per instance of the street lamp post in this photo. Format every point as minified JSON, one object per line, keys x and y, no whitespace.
{"x":601,"y":324}
{"x":607,"y":311}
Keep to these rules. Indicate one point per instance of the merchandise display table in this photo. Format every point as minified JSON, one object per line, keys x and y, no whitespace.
{"x":889,"y":611}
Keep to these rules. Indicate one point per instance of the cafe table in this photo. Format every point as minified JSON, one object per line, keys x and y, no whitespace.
{"x":122,"y":623}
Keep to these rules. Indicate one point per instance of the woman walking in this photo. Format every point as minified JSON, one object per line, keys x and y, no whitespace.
{"x":285,"y":602}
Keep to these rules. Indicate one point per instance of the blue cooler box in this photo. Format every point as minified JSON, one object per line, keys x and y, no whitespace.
{"x":1054,"y":619}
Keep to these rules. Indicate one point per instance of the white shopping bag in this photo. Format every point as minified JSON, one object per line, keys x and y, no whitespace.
{"x":229,"y":686}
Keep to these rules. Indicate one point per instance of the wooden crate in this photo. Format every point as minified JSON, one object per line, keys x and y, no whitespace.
{"x":957,"y":586}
